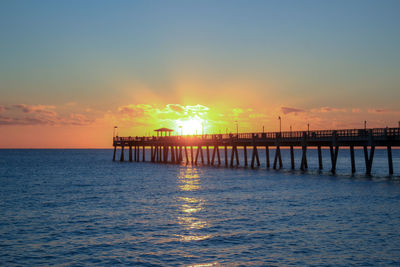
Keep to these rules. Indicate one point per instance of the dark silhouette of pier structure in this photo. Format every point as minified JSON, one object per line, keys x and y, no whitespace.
{"x":191,"y":149}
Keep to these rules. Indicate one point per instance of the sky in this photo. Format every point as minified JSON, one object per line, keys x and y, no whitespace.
{"x":72,"y":70}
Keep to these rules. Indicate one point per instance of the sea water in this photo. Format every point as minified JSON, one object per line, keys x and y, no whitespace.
{"x":79,"y":208}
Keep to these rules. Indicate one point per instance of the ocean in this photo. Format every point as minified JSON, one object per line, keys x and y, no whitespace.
{"x":79,"y":208}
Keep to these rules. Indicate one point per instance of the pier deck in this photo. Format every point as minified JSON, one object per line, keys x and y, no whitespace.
{"x":188,"y":148}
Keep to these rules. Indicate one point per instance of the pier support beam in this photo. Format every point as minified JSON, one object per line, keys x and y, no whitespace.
{"x":237,"y":156}
{"x":245,"y":155}
{"x":353,"y":162}
{"x":130,"y":153}
{"x":201,"y":155}
{"x":208,"y":155}
{"x":187,"y":156}
{"x":226,"y":156}
{"x":177,"y":157}
{"x":122,"y":154}
{"x":213,"y":156}
{"x":254,"y":156}
{"x":197,"y":154}
{"x":334,"y":155}
{"x":278,"y":157}
{"x":304,"y":164}
{"x":320,"y":167}
{"x":368,"y":159}
{"x":135,"y":154}
{"x":115,"y":152}
{"x":191,"y":154}
{"x":166,"y":151}
{"x":390,"y":161}
{"x":215,"y":151}
{"x":144,"y":154}
{"x":234,"y":154}
{"x":180,"y":154}
{"x":292,"y":157}
{"x":172,"y":154}
{"x":267,"y":156}
{"x":218,"y":156}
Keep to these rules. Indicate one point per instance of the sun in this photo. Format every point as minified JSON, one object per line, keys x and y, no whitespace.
{"x":191,"y":126}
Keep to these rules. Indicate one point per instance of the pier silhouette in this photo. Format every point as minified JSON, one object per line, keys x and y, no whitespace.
{"x":191,"y":149}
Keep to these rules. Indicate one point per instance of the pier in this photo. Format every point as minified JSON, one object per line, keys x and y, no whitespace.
{"x":212,"y":149}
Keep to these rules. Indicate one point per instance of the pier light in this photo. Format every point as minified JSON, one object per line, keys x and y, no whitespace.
{"x":115,"y":127}
{"x":280,"y":124}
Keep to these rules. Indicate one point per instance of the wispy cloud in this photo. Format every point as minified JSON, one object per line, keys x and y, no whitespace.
{"x":288,"y":110}
{"x":328,"y":109}
{"x":378,"y":111}
{"x":23,"y":114}
{"x":35,"y":108}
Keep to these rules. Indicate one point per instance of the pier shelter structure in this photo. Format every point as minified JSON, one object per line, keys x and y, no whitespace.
{"x":188,"y":149}
{"x":163,"y":130}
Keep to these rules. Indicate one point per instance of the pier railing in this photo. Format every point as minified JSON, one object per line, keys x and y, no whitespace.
{"x":292,"y":135}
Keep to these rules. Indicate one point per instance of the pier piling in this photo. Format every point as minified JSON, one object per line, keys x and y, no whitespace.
{"x":390,"y":161}
{"x":333,"y":139}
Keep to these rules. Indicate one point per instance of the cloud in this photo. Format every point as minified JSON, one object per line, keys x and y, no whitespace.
{"x":35,"y":108}
{"x":287,"y":110}
{"x":2,"y":109}
{"x":176,"y":108}
{"x":328,"y":109}
{"x":133,"y":110}
{"x":22,"y":114}
{"x":378,"y":111}
{"x":77,"y":119}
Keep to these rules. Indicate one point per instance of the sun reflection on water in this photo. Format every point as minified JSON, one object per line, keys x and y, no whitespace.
{"x":189,"y":180}
{"x":190,"y":206}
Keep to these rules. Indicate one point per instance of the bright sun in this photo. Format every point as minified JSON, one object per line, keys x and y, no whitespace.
{"x":191,"y":126}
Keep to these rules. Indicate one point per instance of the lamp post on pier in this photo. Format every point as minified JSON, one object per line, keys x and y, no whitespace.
{"x":280,"y":124}
{"x":115,"y":127}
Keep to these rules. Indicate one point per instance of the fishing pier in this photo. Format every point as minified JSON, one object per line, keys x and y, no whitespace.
{"x":212,"y":149}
